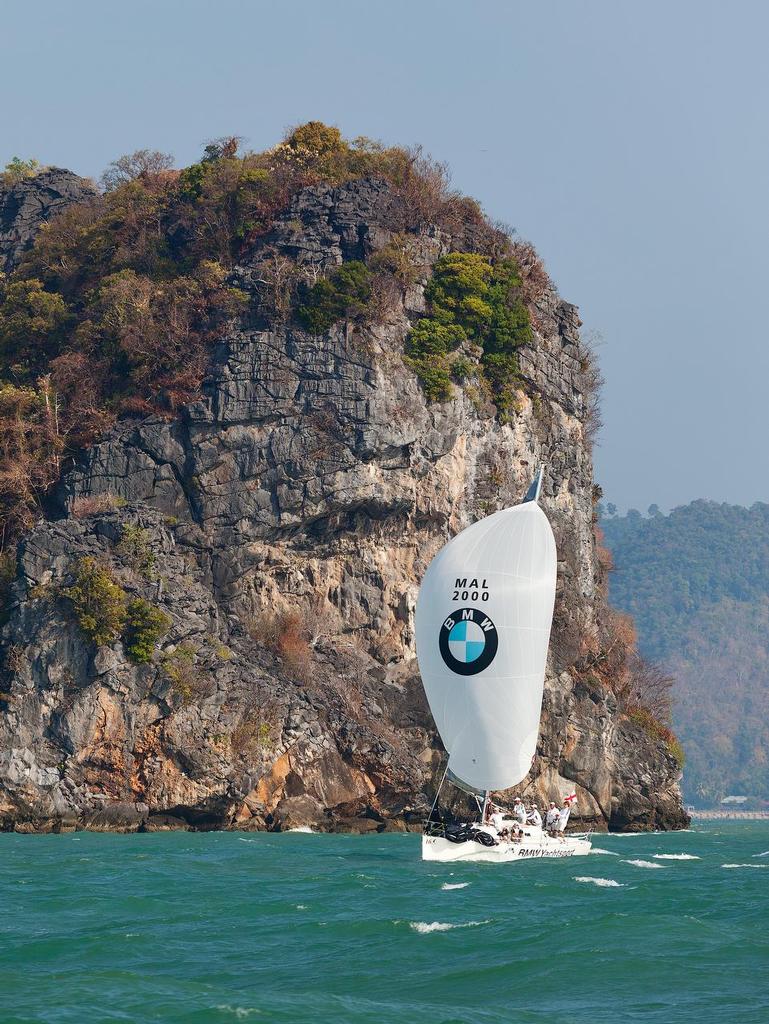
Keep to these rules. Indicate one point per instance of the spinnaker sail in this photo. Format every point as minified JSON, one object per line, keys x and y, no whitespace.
{"x":483,"y":621}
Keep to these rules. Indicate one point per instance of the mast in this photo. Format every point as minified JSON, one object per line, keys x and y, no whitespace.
{"x":535,"y":487}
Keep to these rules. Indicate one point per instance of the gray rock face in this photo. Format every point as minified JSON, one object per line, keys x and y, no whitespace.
{"x":324,"y":226}
{"x":291,"y":513}
{"x":25,"y":205}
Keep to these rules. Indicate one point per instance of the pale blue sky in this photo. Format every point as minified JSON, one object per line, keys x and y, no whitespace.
{"x":628,"y":141}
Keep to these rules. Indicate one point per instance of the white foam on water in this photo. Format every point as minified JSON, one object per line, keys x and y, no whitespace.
{"x":745,"y":865}
{"x":424,"y":928}
{"x":609,"y":853}
{"x":302,"y":828}
{"x":643,"y":864}
{"x":675,"y":856}
{"x":454,"y":885}
{"x":764,"y":854}
{"x":301,"y":906}
{"x":607,"y":883}
{"x":642,"y":835}
{"x":242,"y":840}
{"x":239,"y":1012}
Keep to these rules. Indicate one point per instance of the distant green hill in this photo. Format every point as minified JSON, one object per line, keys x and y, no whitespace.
{"x":697,"y":583}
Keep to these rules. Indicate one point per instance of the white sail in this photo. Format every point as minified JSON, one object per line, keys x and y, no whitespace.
{"x":483,"y":622}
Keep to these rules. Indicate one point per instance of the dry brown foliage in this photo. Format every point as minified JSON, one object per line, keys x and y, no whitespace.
{"x":287,"y":635}
{"x":277,"y":278}
{"x":191,"y":680}
{"x":144,"y":163}
{"x":603,"y":554}
{"x":33,"y":440}
{"x":535,"y":280}
{"x":611,"y":660}
{"x":93,"y":504}
{"x":651,"y":688}
{"x":254,"y":732}
{"x":593,"y":382}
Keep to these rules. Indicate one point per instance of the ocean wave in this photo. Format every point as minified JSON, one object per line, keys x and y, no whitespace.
{"x":642,"y":835}
{"x":643,"y":864}
{"x":745,"y":865}
{"x":239,"y":1012}
{"x":675,"y":856}
{"x":607,"y":883}
{"x":764,"y":854}
{"x":424,"y":927}
{"x":454,"y":885}
{"x":609,"y":853}
{"x":304,"y":829}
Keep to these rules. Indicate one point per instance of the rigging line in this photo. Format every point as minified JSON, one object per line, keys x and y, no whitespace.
{"x":438,"y":790}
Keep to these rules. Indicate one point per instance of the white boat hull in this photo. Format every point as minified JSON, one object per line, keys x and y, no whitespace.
{"x":533,"y":845}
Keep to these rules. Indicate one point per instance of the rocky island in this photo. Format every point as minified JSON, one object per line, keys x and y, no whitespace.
{"x":243,"y":405}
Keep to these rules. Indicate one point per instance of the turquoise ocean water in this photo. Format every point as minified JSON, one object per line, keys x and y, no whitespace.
{"x":221,"y":927}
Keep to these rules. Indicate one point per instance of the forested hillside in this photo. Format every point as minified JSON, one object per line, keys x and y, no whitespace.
{"x":697,"y":583}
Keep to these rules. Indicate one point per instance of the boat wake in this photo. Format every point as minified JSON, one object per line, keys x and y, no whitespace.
{"x":643,"y":864}
{"x":608,"y":853}
{"x":745,"y":865}
{"x":675,"y":856}
{"x":607,"y":883}
{"x":424,"y":928}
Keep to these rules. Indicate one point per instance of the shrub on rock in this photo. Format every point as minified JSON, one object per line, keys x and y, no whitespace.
{"x":98,"y":601}
{"x":345,"y":293}
{"x":145,"y":625}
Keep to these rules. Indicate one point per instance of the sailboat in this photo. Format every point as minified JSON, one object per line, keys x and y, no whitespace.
{"x":483,"y":621}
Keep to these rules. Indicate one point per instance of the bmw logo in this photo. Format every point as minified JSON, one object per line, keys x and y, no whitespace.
{"x":468,"y":641}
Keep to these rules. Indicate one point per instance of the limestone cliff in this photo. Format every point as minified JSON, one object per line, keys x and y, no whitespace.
{"x":290,"y":513}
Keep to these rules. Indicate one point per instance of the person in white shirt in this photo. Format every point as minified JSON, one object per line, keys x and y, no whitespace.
{"x":534,"y":817}
{"x":497,"y":819}
{"x":552,"y":816}
{"x":563,"y":817}
{"x":519,"y":811}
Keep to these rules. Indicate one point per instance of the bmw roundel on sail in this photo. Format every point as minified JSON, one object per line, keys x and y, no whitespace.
{"x":483,"y":622}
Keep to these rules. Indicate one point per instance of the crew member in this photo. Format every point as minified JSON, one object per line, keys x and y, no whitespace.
{"x":534,"y":817}
{"x":563,"y":816}
{"x":496,"y":817}
{"x":519,"y":811}
{"x":552,"y":816}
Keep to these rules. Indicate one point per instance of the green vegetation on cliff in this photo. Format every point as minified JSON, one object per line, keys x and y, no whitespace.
{"x":104,"y":613}
{"x":116,"y":308}
{"x":472,"y":301}
{"x":696,"y":582}
{"x":17,"y":169}
{"x":345,"y":293}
